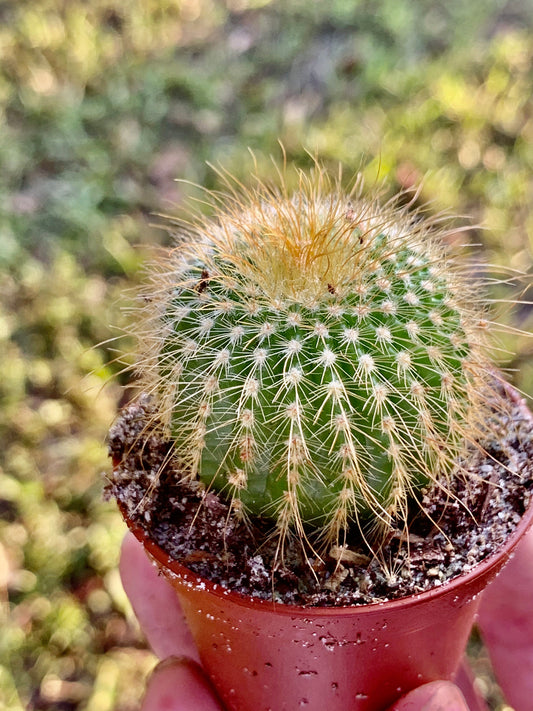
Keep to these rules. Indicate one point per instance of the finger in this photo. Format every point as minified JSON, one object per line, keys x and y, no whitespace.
{"x":506,"y":623}
{"x":179,"y":685}
{"x":155,"y":603}
{"x":435,"y":696}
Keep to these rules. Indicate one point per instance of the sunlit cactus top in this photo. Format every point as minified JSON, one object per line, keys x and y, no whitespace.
{"x":317,"y":356}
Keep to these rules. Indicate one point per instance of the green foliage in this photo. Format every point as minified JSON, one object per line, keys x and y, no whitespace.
{"x":102,"y":105}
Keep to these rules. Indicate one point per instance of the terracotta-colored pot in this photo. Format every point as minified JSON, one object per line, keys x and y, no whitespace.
{"x":265,"y":656}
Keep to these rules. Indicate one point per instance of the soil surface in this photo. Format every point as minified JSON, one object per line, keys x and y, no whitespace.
{"x":483,"y":505}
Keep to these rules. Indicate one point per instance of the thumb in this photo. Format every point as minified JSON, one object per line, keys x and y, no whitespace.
{"x":179,"y":684}
{"x":435,"y":696}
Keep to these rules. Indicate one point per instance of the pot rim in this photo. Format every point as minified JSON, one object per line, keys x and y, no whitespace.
{"x":194,"y":580}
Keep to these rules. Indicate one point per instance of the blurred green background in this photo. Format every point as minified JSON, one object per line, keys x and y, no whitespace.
{"x":102,"y":105}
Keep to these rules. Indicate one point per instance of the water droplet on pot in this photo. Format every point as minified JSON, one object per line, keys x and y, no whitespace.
{"x":328,"y":643}
{"x":304,"y":702}
{"x":334,"y":685}
{"x":361,"y":696}
{"x":307,"y":673}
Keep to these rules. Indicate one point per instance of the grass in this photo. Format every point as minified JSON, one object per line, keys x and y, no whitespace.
{"x":102,"y":105}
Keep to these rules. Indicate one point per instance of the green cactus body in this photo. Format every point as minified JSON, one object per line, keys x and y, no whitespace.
{"x":315,"y":361}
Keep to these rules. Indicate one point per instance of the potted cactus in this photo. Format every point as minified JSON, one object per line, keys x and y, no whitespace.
{"x":324,"y":461}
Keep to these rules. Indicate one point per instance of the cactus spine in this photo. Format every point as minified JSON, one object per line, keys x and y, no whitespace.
{"x":317,"y":357}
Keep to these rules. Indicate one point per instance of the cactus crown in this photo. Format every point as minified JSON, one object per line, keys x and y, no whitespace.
{"x":317,"y":357}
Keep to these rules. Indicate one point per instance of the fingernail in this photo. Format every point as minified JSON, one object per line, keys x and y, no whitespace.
{"x":176,"y":661}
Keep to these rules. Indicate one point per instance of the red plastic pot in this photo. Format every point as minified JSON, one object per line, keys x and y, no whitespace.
{"x":264,"y":656}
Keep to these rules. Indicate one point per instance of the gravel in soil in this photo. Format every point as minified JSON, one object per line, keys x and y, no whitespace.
{"x":480,"y":509}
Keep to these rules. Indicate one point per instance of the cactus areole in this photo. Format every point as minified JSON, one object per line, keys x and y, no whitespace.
{"x":318,"y":357}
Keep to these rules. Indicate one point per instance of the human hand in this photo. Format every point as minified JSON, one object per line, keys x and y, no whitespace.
{"x":158,"y":611}
{"x":508,"y":630}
